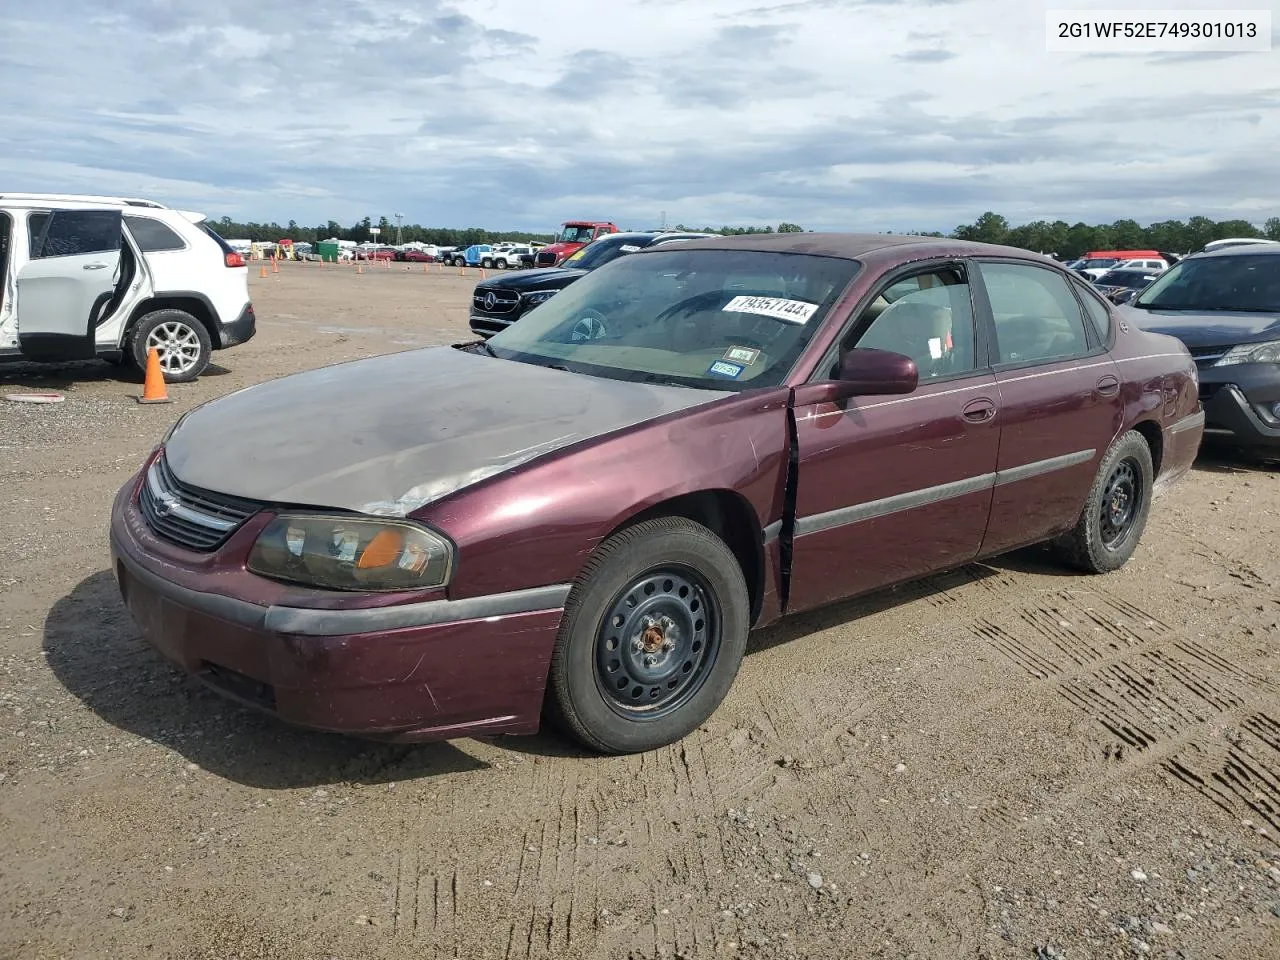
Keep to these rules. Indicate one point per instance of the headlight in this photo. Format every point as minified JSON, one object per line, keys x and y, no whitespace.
{"x":344,"y":553}
{"x":1268,"y":352}
{"x":539,"y":296}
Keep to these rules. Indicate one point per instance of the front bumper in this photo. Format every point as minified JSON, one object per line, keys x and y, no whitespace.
{"x":239,"y":330}
{"x":410,"y":672}
{"x":1237,"y":403}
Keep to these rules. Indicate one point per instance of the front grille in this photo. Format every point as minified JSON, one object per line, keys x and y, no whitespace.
{"x":191,"y":517}
{"x":503,"y":301}
{"x":1208,"y":356}
{"x":488,"y":326}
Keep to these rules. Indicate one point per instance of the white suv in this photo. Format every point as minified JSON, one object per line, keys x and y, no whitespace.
{"x":111,"y":277}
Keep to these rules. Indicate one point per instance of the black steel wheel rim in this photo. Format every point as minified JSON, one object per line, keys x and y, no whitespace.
{"x":1121,"y":503}
{"x":657,"y":643}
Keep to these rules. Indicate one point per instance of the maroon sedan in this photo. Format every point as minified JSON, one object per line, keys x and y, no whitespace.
{"x":593,"y":508}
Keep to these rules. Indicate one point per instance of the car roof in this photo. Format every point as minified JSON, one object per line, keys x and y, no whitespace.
{"x":859,"y":246}
{"x":1240,"y":250}
{"x":26,"y":199}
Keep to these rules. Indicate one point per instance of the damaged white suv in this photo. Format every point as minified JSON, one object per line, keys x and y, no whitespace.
{"x":110,"y":277}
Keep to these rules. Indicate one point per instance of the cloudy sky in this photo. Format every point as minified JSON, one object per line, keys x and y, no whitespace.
{"x":835,"y":114}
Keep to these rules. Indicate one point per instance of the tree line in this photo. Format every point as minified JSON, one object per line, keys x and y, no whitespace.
{"x":1056,"y":237}
{"x":1072,"y":240}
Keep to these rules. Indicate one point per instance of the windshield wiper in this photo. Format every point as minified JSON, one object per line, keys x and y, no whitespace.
{"x":1197,"y":308}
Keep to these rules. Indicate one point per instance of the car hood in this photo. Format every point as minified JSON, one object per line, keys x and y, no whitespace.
{"x":1205,"y":329}
{"x":552,"y":278}
{"x":389,"y":434}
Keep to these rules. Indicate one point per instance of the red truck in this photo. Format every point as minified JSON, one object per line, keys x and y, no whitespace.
{"x":573,"y":235}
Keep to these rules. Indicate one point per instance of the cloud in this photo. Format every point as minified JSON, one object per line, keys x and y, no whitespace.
{"x":835,"y":114}
{"x":930,"y":55}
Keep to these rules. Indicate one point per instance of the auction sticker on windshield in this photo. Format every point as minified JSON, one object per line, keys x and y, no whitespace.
{"x":731,"y":371}
{"x":745,"y":355}
{"x":788,"y":311}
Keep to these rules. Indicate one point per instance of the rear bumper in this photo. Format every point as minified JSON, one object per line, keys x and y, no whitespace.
{"x":239,"y":330}
{"x":1181,"y":444}
{"x":1241,"y":409}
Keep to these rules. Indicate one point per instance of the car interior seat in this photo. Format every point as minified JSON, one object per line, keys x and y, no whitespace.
{"x":921,"y":331}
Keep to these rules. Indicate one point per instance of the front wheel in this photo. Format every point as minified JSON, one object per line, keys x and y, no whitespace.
{"x":652,"y":636}
{"x":1115,"y":513}
{"x":487,"y":263}
{"x":180,"y":340}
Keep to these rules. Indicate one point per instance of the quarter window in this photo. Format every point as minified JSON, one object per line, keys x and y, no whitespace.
{"x":1097,"y":312}
{"x":1036,"y":316}
{"x":927,"y":317}
{"x":68,"y":233}
{"x":153,"y":236}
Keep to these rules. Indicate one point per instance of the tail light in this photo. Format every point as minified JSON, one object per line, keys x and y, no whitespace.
{"x":233,"y":259}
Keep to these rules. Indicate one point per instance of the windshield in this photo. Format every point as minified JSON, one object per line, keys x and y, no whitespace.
{"x":1124,"y":278}
{"x":1248,"y":284}
{"x":599,"y":252}
{"x":715,"y":319}
{"x":575,"y":234}
{"x":1097,"y":263}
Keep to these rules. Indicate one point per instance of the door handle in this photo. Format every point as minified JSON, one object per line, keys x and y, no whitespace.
{"x":95,"y":266}
{"x":1108,"y":386}
{"x":979,"y":411}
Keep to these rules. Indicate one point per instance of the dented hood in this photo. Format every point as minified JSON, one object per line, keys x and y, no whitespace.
{"x":389,"y":434}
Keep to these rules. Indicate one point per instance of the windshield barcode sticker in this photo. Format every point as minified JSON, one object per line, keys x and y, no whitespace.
{"x":788,"y":311}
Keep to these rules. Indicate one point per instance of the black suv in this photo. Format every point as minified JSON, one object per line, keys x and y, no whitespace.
{"x":1225,"y":306}
{"x":500,"y":301}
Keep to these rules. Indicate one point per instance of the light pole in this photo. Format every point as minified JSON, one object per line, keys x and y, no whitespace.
{"x":399,"y":221}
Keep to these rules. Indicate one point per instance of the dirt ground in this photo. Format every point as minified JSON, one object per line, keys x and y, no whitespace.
{"x":1006,"y":761}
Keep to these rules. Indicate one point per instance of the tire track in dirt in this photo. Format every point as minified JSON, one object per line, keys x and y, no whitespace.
{"x":1154,"y":689}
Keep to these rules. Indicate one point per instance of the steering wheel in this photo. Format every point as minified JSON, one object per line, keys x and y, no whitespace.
{"x":705,"y":299}
{"x":590,"y":325}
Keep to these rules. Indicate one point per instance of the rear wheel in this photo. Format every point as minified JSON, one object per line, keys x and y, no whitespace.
{"x":487,"y":263}
{"x":653,"y":633}
{"x":180,"y":339}
{"x":1115,"y":513}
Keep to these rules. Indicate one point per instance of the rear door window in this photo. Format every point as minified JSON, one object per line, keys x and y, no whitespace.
{"x":1037,"y":319}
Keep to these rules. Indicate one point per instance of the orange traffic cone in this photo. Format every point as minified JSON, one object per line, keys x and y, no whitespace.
{"x":274,"y":266}
{"x":153,"y":388}
{"x":359,"y":267}
{"x":263,"y":273}
{"x":482,"y":273}
{"x":426,"y":267}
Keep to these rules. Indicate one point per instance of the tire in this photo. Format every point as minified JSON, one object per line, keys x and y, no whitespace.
{"x":608,"y":691}
{"x":181,"y":339}
{"x":500,"y":264}
{"x":1115,"y":512}
{"x":486,"y":263}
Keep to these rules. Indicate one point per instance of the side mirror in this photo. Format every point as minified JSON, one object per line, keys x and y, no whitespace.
{"x":864,"y":372}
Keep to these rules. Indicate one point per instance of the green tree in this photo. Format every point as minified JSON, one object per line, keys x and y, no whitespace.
{"x":1272,"y":228}
{"x":785,"y":227}
{"x":989,"y":228}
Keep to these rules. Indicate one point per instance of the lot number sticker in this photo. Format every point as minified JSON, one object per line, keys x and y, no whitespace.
{"x":747,"y":355}
{"x":788,"y":311}
{"x":730,"y":371}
